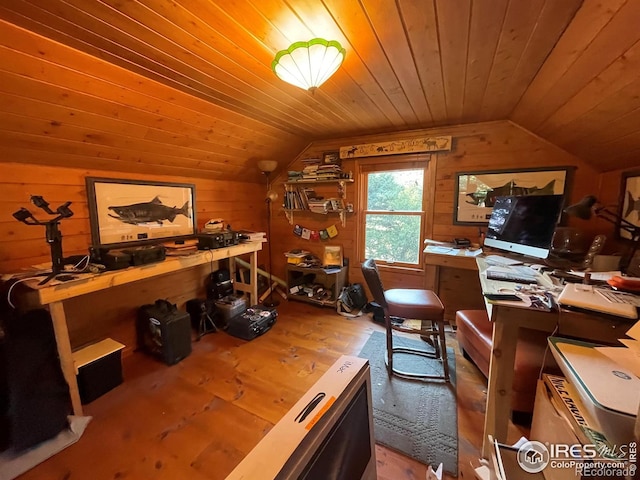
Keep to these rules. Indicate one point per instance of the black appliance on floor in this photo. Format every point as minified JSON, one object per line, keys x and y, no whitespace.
{"x":254,"y":322}
{"x":220,"y":285}
{"x":164,"y":331}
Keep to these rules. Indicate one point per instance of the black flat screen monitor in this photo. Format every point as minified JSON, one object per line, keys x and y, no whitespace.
{"x":524,"y":224}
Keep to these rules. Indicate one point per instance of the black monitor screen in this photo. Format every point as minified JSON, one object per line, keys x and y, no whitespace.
{"x":346,"y":451}
{"x":518,"y":222}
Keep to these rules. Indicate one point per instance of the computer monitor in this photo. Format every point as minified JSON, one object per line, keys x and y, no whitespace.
{"x":524,"y":224}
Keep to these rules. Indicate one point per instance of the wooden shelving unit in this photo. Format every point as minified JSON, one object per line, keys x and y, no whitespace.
{"x":332,"y":281}
{"x":297,"y":200}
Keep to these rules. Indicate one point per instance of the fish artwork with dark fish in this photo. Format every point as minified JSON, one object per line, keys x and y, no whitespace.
{"x":148,"y":212}
{"x":488,"y":198}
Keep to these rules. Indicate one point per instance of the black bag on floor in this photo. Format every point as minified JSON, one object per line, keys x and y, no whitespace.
{"x":38,"y":400}
{"x":352,"y":301}
{"x":164,"y":331}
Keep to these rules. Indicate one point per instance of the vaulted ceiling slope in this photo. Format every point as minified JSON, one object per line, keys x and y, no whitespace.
{"x":186,"y":87}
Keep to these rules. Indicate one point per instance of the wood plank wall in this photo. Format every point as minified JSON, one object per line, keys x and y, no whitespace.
{"x":95,"y":316}
{"x":476,"y":147}
{"x":485,"y":146}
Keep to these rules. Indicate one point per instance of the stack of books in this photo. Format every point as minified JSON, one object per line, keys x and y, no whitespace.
{"x":179,"y":248}
{"x":329,"y":171}
{"x":316,"y":171}
{"x":294,"y":257}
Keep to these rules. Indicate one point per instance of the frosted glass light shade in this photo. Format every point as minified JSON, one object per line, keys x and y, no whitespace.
{"x":267,"y":166}
{"x":308,"y":64}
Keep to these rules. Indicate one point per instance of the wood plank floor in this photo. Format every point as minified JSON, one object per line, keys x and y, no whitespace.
{"x":197,"y":419}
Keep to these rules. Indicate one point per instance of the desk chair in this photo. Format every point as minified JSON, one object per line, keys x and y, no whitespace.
{"x":409,"y":304}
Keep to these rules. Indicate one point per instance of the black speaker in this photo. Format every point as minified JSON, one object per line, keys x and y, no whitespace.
{"x":164,"y":331}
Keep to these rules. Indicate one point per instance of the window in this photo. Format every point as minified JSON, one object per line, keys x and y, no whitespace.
{"x":394,"y":211}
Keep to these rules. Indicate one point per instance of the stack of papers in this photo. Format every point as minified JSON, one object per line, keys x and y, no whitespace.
{"x":501,"y":261}
{"x":446,"y":250}
{"x":599,"y":276}
{"x":251,"y":236}
{"x":185,"y":247}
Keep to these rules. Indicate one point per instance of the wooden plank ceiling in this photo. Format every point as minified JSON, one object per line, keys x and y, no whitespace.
{"x":185,"y":87}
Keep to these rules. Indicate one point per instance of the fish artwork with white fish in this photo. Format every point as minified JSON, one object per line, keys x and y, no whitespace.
{"x":148,"y":212}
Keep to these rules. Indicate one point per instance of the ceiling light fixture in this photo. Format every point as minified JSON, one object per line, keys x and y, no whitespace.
{"x":308,"y":64}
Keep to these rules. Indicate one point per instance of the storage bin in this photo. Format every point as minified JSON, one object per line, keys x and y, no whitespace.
{"x":230,"y":307}
{"x":98,"y":368}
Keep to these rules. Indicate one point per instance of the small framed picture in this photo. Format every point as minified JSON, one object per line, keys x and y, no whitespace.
{"x":332,"y":256}
{"x":331,"y":158}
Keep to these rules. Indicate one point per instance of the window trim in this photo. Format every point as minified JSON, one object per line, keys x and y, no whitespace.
{"x":398,"y":162}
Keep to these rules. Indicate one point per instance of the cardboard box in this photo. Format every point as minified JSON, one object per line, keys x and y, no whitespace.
{"x":98,"y":368}
{"x":550,"y":425}
{"x":553,"y":424}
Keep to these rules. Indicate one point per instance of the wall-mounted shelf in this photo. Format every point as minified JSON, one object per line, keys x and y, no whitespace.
{"x":301,"y":196}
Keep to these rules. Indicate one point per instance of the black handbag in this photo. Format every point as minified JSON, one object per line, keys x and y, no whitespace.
{"x":352,"y":300}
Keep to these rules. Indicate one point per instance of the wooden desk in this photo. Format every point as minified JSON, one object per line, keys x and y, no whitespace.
{"x":55,"y":295}
{"x":507,"y":319}
{"x":446,"y":274}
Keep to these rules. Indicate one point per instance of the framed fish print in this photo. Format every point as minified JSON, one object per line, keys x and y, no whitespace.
{"x":129,"y":212}
{"x":629,"y":204}
{"x":476,"y":192}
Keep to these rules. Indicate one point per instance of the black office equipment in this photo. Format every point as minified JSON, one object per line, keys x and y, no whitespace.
{"x":220,"y":285}
{"x":53,"y":235}
{"x":254,"y":322}
{"x":164,"y":331}
{"x":99,"y":368}
{"x":524,"y":224}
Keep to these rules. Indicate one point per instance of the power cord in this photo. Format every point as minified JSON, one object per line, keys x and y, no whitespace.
{"x":13,"y":286}
{"x":546,"y":349}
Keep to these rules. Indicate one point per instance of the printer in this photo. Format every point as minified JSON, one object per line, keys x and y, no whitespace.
{"x":610,"y":392}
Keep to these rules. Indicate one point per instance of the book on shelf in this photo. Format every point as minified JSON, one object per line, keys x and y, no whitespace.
{"x":293,"y":200}
{"x":567,"y":402}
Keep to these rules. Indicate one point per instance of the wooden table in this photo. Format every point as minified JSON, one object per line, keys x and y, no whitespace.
{"x":507,"y":319}
{"x":55,"y":295}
